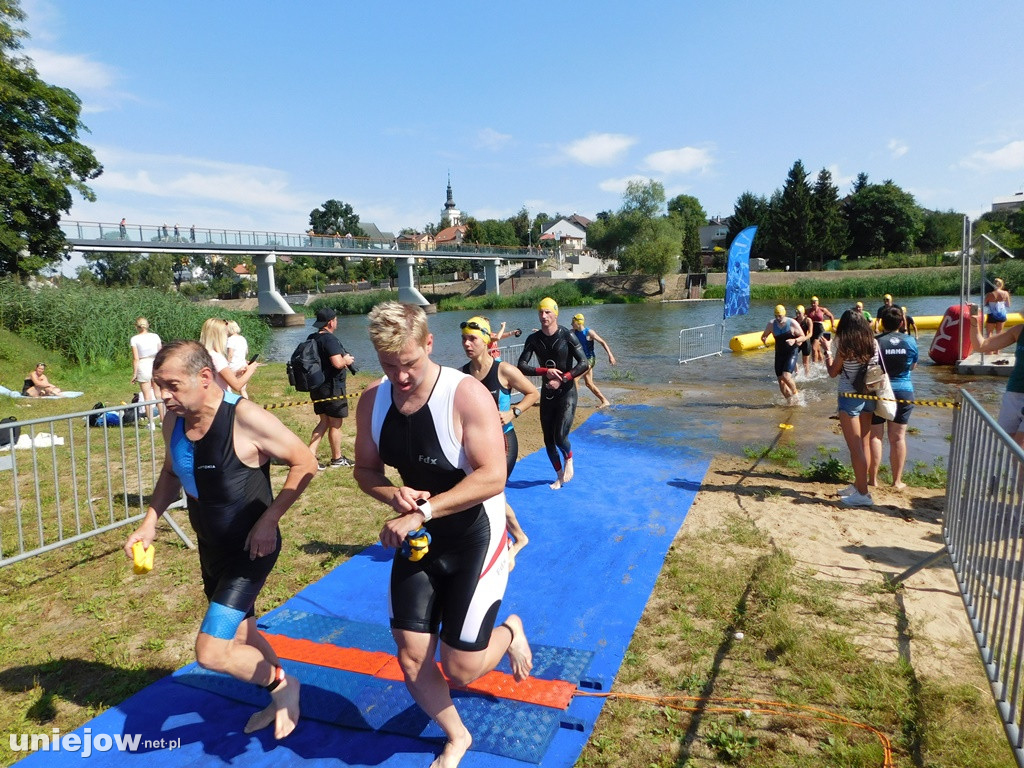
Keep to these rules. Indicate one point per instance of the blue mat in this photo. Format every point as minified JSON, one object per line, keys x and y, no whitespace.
{"x":596,"y":548}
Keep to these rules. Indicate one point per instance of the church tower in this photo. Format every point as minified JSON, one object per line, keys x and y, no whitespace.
{"x":453,"y":214}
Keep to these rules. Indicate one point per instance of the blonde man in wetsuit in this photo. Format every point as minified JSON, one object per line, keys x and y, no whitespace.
{"x":437,"y":427}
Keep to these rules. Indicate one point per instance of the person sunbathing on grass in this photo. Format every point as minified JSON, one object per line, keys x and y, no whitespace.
{"x":37,"y":385}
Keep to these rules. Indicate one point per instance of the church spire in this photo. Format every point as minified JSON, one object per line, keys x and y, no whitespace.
{"x":450,"y":212}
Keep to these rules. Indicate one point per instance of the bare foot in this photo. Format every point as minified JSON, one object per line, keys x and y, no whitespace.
{"x":604,"y":403}
{"x":513,"y":550}
{"x":453,"y":752}
{"x":557,"y":484}
{"x":899,"y":486}
{"x":567,"y":473}
{"x":283,"y":711}
{"x":519,"y":654}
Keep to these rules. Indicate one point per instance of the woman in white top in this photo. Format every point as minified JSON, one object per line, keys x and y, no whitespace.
{"x":237,"y":351}
{"x":214,"y":337}
{"x":145,"y":344}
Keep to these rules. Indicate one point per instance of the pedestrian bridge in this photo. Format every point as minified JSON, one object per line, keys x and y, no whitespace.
{"x":264,"y":248}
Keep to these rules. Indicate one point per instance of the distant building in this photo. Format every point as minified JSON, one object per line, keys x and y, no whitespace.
{"x":714,"y":234}
{"x":569,"y":232}
{"x":450,"y":236}
{"x":377,"y":238}
{"x":1009,"y":203}
{"x":416,"y":241}
{"x":450,"y":212}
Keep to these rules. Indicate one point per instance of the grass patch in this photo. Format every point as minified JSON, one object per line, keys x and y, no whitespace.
{"x":782,"y":454}
{"x":800,"y":647}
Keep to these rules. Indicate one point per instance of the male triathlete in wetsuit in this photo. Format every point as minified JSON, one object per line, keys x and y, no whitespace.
{"x":788,"y":338}
{"x":437,"y":427}
{"x":560,"y":361}
{"x":219,"y":449}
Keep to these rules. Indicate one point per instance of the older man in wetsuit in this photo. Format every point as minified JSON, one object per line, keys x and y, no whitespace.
{"x":437,"y":426}
{"x":560,"y":361}
{"x":219,"y":448}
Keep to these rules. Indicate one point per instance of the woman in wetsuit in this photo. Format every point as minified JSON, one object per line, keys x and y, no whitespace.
{"x":997,"y":304}
{"x":500,"y":379}
{"x":788,"y":338}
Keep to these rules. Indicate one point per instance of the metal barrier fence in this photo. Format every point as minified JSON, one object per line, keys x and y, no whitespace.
{"x":700,"y":342}
{"x":64,"y":480}
{"x":983,"y":531}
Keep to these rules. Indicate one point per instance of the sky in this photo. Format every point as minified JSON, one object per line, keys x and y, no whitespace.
{"x":249,"y":115}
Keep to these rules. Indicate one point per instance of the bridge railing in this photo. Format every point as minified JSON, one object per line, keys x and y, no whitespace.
{"x":156,"y":235}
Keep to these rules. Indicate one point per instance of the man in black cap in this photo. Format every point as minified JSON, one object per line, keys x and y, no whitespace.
{"x":329,"y":400}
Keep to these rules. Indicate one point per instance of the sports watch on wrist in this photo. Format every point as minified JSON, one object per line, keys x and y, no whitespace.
{"x":424,"y":508}
{"x":516,"y":413}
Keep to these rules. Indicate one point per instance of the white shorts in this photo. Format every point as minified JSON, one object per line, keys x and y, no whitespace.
{"x":144,"y":371}
{"x":1010,"y":418}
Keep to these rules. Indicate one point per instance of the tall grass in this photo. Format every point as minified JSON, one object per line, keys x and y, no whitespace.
{"x":351,"y":303}
{"x":918,"y":282}
{"x":92,"y":326}
{"x":567,"y":293}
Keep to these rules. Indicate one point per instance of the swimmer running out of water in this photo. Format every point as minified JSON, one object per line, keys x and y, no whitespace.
{"x":788,"y":338}
{"x":560,"y":361}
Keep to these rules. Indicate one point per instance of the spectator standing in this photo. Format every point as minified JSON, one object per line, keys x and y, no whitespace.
{"x":330,"y":401}
{"x":145,"y":344}
{"x":899,"y":357}
{"x":237,"y":352}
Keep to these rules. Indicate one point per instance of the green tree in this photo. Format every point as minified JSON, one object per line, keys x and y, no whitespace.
{"x":335,"y":218}
{"x":491,"y":232}
{"x":653,"y":243}
{"x":882,"y":219}
{"x":829,"y":233}
{"x":791,"y":218}
{"x":41,"y":159}
{"x":686,"y":212}
{"x":750,"y":210}
{"x":940,"y":231}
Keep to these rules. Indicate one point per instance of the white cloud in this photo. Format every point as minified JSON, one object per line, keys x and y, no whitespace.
{"x":682,"y":160}
{"x":194,"y":180}
{"x":897,"y":148}
{"x":619,"y":185}
{"x":488,"y":138}
{"x":844,"y":183}
{"x":71,"y":70}
{"x":599,"y":148}
{"x":1007,"y":158}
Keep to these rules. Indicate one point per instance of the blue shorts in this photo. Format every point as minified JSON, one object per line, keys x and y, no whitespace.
{"x":855,"y":406}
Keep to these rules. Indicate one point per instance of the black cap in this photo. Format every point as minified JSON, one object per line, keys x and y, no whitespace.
{"x":324,"y":316}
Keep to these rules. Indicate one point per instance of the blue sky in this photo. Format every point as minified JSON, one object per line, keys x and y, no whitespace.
{"x":250,"y":114}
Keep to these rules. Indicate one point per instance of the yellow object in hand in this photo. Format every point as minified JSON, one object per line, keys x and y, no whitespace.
{"x":143,"y":557}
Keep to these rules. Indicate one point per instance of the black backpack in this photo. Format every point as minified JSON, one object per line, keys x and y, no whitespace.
{"x":305,"y":372}
{"x":9,"y":435}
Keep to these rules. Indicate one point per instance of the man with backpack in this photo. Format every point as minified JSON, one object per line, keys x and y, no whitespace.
{"x":329,"y":398}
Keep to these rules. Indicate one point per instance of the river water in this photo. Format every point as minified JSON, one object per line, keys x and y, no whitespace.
{"x":735,"y":395}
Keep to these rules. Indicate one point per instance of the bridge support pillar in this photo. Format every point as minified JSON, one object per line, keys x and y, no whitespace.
{"x":272,"y":305}
{"x":491,"y":277}
{"x":407,"y":291}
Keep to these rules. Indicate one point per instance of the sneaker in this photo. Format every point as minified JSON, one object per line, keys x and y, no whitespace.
{"x":320,"y":466}
{"x":857,"y":500}
{"x":341,"y":462}
{"x":847,"y":491}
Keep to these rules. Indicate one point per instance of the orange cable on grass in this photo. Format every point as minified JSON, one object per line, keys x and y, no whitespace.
{"x":758,"y":707}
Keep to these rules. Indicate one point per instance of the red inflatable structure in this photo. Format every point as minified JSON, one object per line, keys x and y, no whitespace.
{"x":943,"y":349}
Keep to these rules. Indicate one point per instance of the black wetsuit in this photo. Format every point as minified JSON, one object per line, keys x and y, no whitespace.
{"x":785,"y":355}
{"x":561,"y":350}
{"x":225,"y":499}
{"x":460,"y":582}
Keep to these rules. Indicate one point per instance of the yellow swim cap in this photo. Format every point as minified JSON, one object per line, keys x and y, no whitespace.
{"x":814,"y":298}
{"x":860,"y":305}
{"x":887,"y":297}
{"x":548,"y":303}
{"x":477,"y":326}
{"x":578,"y":316}
{"x":800,"y":309}
{"x":780,"y":310}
